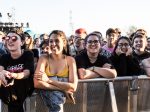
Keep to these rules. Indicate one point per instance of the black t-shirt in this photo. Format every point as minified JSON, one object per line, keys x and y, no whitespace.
{"x":140,"y":58}
{"x":21,"y":87}
{"x":125,"y":65}
{"x":83,"y":61}
{"x":26,"y":61}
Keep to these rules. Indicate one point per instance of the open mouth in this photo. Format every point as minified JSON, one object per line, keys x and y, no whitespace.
{"x":10,"y":45}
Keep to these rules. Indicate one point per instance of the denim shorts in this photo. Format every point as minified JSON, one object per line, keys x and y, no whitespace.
{"x":53,"y":99}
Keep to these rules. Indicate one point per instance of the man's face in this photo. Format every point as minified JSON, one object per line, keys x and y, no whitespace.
{"x":111,"y":38}
{"x":79,"y":44}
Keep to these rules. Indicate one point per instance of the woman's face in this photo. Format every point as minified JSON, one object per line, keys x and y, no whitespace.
{"x":27,"y":40}
{"x":123,"y":44}
{"x":13,"y":42}
{"x":93,"y":44}
{"x":139,"y":43}
{"x":56,"y":44}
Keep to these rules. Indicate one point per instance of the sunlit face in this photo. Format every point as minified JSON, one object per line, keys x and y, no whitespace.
{"x":56,"y":44}
{"x":123,"y":44}
{"x":13,"y":42}
{"x":93,"y":44}
{"x":139,"y":43}
{"x":111,"y":38}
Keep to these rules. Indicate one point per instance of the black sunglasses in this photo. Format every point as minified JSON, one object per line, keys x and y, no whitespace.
{"x":13,"y":38}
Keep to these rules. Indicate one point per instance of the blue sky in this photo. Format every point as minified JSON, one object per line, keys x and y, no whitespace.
{"x":47,"y":15}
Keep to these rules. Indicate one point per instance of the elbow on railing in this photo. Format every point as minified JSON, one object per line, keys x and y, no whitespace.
{"x":114,"y":74}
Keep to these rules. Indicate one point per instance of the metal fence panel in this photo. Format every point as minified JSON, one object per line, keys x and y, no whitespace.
{"x":121,"y":92}
{"x":94,"y":96}
{"x":144,"y":96}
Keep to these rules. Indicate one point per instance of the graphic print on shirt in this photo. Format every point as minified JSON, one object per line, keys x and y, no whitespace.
{"x":16,"y":68}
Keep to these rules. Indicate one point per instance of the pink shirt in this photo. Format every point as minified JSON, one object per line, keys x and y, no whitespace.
{"x":108,"y":49}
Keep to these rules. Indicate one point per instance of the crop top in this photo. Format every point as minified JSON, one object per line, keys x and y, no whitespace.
{"x":63,"y":73}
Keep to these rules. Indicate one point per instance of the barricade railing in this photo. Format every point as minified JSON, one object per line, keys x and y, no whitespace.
{"x":122,"y":94}
{"x":125,"y":94}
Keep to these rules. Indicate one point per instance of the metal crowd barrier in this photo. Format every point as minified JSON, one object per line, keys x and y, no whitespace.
{"x":122,"y":94}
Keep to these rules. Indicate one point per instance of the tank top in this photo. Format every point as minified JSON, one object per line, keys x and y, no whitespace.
{"x":64,"y":73}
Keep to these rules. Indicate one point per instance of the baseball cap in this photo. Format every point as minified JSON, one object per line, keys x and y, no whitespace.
{"x":80,"y":31}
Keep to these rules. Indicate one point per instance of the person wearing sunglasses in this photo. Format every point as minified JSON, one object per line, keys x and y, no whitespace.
{"x":56,"y":73}
{"x":90,"y":63}
{"x":16,"y":71}
{"x":123,"y":60}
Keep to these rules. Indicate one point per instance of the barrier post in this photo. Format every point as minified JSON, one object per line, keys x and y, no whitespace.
{"x":113,"y":98}
{"x":84,"y":97}
{"x":134,"y":91}
{"x":0,"y":105}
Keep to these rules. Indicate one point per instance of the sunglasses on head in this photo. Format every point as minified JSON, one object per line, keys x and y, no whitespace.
{"x":13,"y":38}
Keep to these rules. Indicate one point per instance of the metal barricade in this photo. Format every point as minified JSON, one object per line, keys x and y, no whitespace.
{"x":122,"y":94}
{"x":130,"y":94}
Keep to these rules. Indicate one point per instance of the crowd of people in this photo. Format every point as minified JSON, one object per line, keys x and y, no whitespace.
{"x":53,"y":63}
